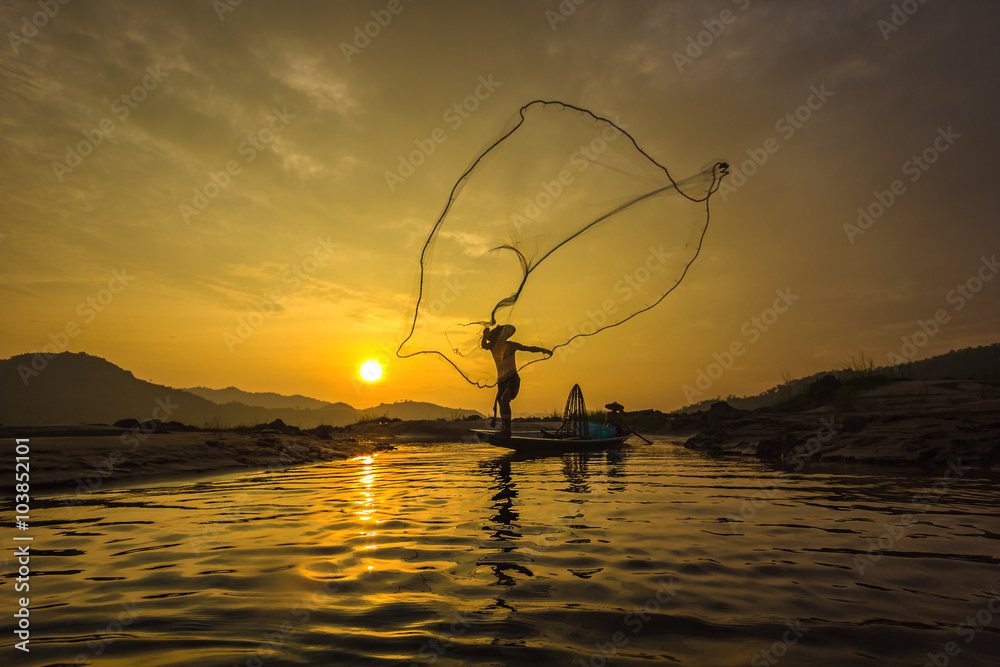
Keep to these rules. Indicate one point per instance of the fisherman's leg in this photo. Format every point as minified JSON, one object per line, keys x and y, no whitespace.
{"x":511,"y":387}
{"x":496,"y":401}
{"x":505,"y":414}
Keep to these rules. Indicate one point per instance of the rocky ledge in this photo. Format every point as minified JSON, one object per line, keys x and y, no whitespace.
{"x":902,"y":422}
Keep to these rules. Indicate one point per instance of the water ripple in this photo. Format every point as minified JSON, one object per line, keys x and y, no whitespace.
{"x":461,"y":555}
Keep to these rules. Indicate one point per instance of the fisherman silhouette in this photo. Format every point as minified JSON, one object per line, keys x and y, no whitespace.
{"x":497,"y":340}
{"x":616,"y":418}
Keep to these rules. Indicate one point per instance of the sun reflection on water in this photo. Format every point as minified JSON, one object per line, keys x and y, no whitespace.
{"x":368,"y":509}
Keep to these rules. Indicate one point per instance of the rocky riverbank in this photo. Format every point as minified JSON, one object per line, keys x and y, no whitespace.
{"x":905,"y":422}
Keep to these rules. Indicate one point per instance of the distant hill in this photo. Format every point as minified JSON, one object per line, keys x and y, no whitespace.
{"x":407,"y":410}
{"x":971,"y":363}
{"x":260,"y":399}
{"x":78,"y":388}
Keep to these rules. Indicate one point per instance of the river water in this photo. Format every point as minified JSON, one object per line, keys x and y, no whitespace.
{"x":461,"y":554}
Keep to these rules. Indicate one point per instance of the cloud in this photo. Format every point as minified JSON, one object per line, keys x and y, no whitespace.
{"x":324,"y":174}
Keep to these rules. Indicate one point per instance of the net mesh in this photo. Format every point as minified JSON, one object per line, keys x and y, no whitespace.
{"x":563,"y":227}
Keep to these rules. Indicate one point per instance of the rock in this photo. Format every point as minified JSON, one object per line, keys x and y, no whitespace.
{"x":773,"y":447}
{"x":853,"y":423}
{"x":719,"y":412}
{"x":279,"y":426}
{"x":324,"y":431}
{"x":647,"y":420}
{"x":151,"y":426}
{"x":127,"y":423}
{"x":706,"y":440}
{"x":177,"y":426}
{"x":822,"y":391}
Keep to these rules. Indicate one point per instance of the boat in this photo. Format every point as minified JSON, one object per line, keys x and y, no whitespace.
{"x":540,"y":442}
{"x":576,"y":434}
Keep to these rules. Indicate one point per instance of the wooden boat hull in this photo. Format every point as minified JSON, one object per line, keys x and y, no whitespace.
{"x":534,"y":442}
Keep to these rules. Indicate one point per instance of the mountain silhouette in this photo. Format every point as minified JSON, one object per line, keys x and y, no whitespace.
{"x":970,"y":363}
{"x":258,"y":398}
{"x":79,"y":388}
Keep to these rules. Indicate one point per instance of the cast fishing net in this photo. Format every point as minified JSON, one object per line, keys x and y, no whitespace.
{"x":564,"y":227}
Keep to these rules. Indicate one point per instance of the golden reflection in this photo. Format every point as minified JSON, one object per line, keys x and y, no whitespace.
{"x":367,"y":504}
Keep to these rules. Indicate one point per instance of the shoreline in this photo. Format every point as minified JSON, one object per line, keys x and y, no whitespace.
{"x":921,"y":423}
{"x":917,"y":423}
{"x":78,"y":459}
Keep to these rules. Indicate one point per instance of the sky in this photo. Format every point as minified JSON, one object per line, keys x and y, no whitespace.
{"x":211,"y":193}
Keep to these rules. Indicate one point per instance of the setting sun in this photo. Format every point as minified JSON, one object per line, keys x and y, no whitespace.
{"x":371,"y":371}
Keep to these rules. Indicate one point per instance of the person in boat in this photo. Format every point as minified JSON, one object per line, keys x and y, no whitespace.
{"x":497,"y":340}
{"x":616,"y":418}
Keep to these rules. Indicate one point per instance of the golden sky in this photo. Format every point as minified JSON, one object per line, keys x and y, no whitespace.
{"x":169,"y":169}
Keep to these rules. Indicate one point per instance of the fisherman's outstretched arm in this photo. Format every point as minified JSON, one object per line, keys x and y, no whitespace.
{"x":529,"y":348}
